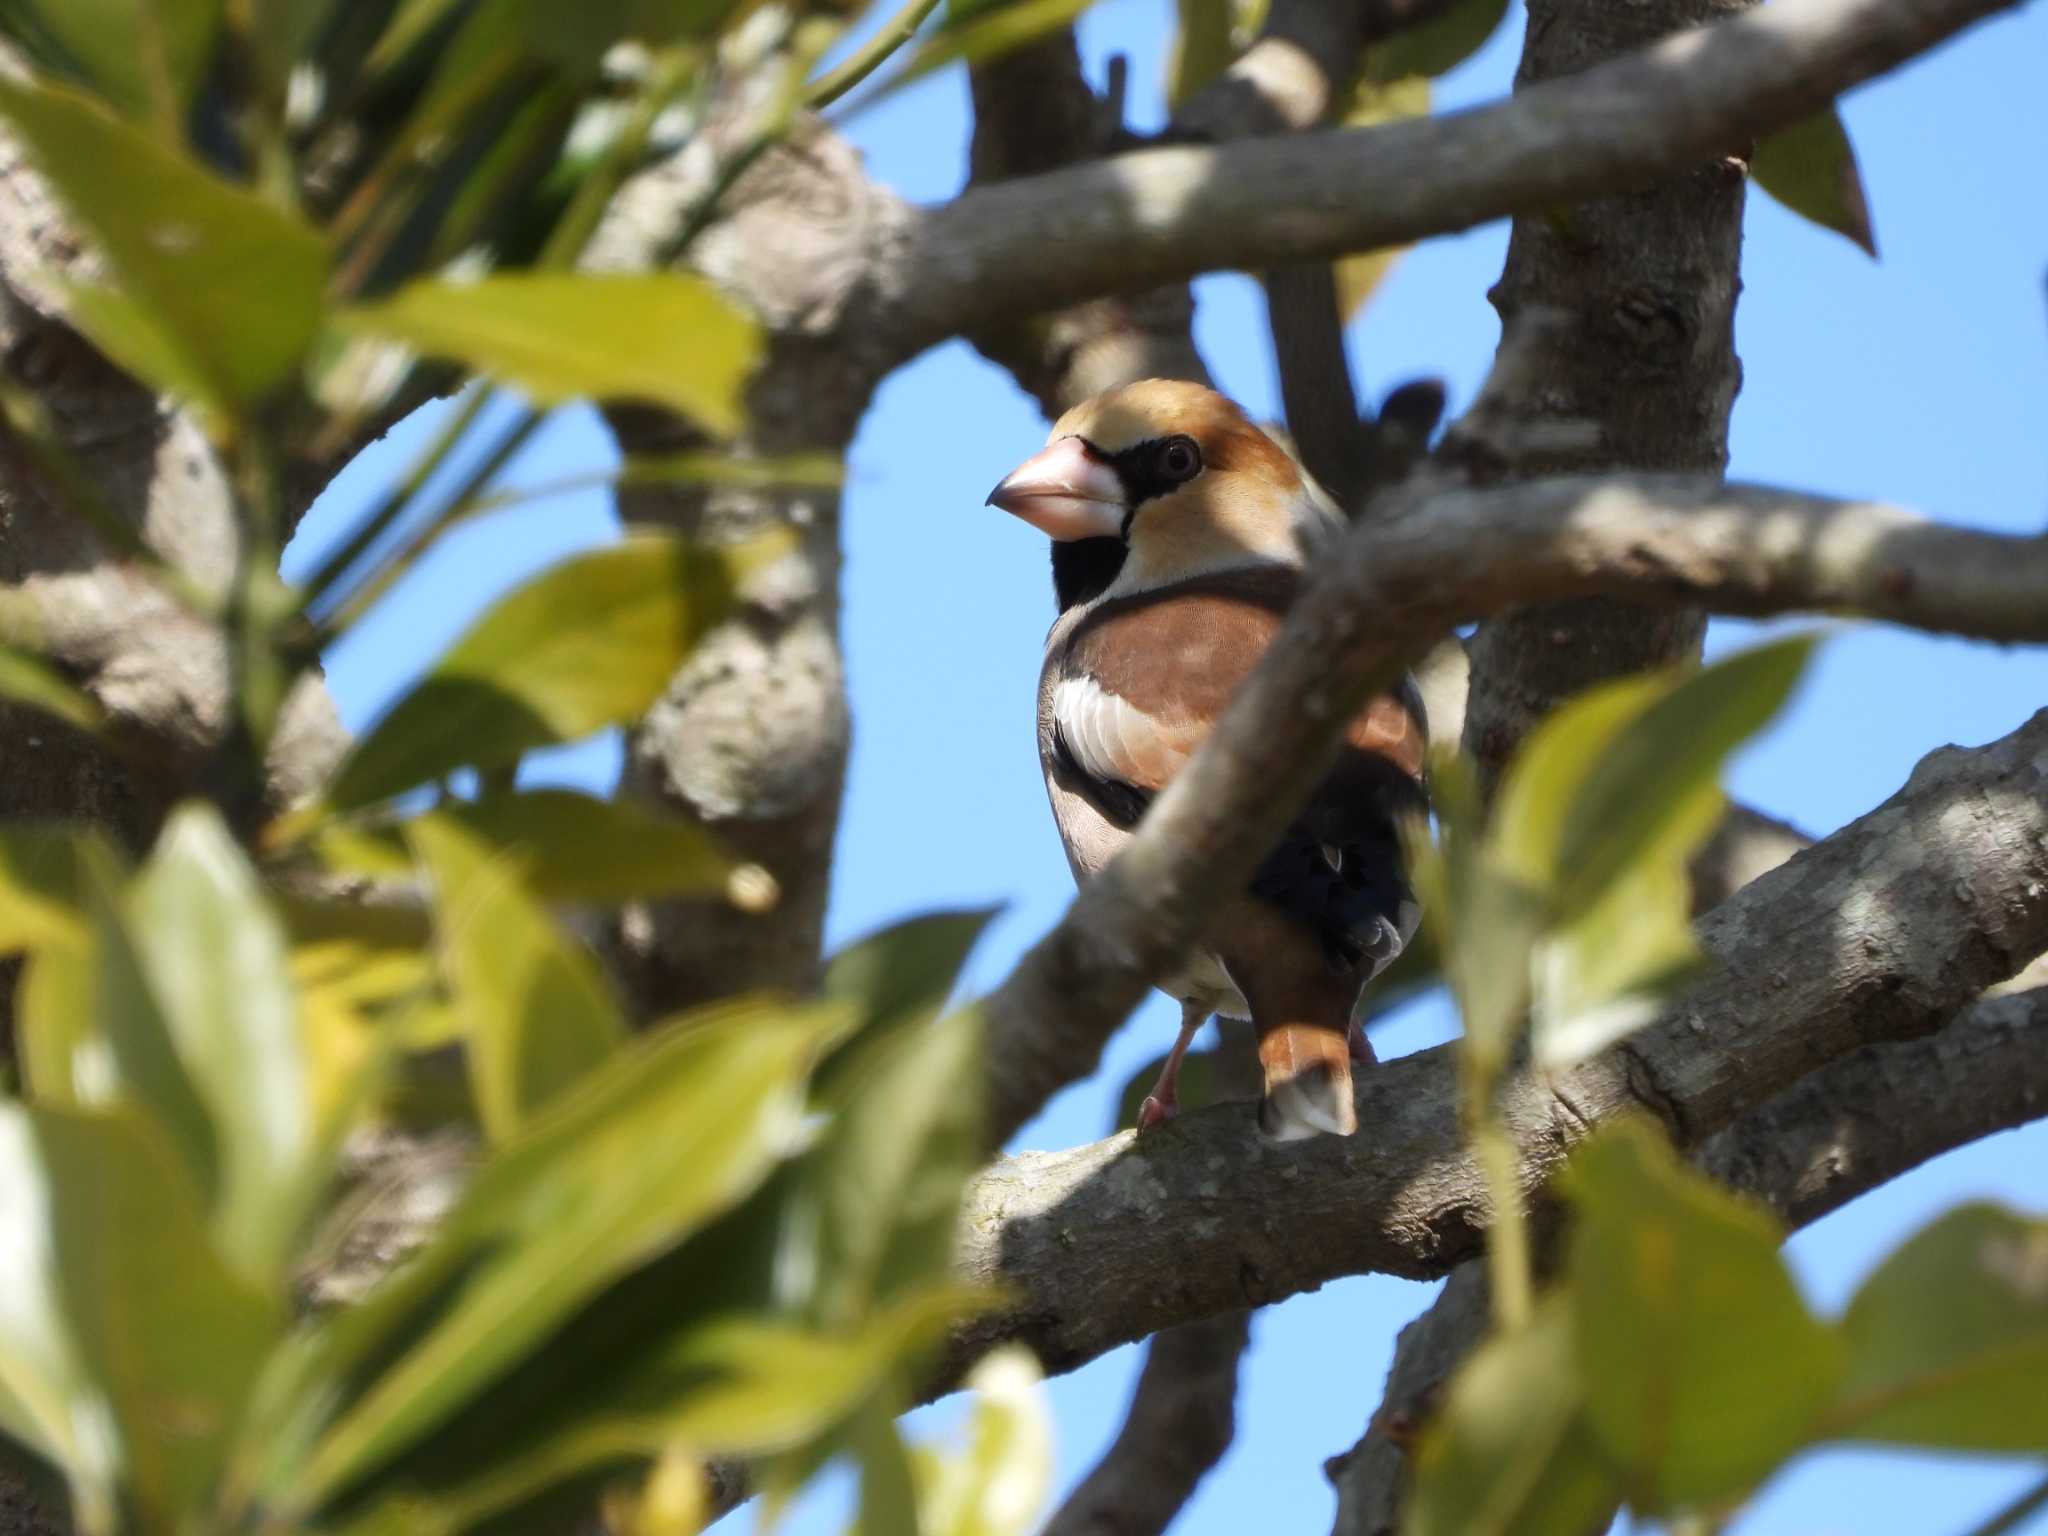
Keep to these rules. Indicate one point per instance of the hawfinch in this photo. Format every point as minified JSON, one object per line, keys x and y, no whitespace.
{"x":1179,"y":535}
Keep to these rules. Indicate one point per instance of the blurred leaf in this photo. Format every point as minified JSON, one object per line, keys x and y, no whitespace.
{"x":987,"y":32}
{"x":64,"y":1059}
{"x":563,"y":845}
{"x":1438,"y":45}
{"x":1197,"y":1086}
{"x":1609,"y":969}
{"x":1702,"y":1367}
{"x":411,"y":21}
{"x":147,"y":56}
{"x":998,"y":1485}
{"x":174,"y":1337}
{"x":231,"y":281}
{"x":883,"y":1181}
{"x":588,"y":643}
{"x":1948,"y":1340}
{"x":1509,"y":1452}
{"x":49,"y":1401}
{"x":1485,"y":924}
{"x":359,"y":954}
{"x":534,"y":1009}
{"x":669,"y":1131}
{"x":822,"y":471}
{"x":1655,"y":792}
{"x":282,"y":33}
{"x":215,"y":956}
{"x":28,"y":680}
{"x":1810,"y":167}
{"x":888,"y":1483}
{"x":1202,"y":48}
{"x":1375,"y":101}
{"x":46,"y":870}
{"x":134,"y":338}
{"x":663,"y":338}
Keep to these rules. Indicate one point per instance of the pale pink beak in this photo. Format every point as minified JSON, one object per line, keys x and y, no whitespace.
{"x":1066,"y":491}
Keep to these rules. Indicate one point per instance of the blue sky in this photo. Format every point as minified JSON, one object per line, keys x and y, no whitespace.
{"x":1921,"y":379}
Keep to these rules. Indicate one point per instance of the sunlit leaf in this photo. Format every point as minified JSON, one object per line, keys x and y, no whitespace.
{"x":64,"y":1058}
{"x":229,"y":279}
{"x":1486,"y":925}
{"x":133,"y":337}
{"x":1948,"y":1340}
{"x":534,"y":1009}
{"x":358,"y":953}
{"x":215,"y":957}
{"x":997,"y":1485}
{"x":665,"y":1134}
{"x":1509,"y":1453}
{"x":586,"y":644}
{"x":1810,"y":167}
{"x":821,"y":471}
{"x":28,"y":680}
{"x":1606,"y":971}
{"x":888,"y":1483}
{"x":46,"y":872}
{"x":1702,"y":1367}
{"x":147,"y":56}
{"x":1375,"y":101}
{"x":1202,"y":48}
{"x":1438,"y":45}
{"x":663,"y":338}
{"x":175,"y":1341}
{"x":564,"y":846}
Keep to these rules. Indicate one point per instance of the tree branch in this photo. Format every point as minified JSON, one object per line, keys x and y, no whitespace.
{"x":1840,"y":1133}
{"x":1389,"y":589}
{"x":1877,"y":933}
{"x":1142,"y":219}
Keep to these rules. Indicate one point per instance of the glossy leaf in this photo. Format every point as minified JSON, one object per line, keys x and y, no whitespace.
{"x":589,"y":643}
{"x":1438,"y":45}
{"x":1702,"y":1367}
{"x":1509,"y":1452}
{"x":563,"y":845}
{"x":175,"y":1341}
{"x":662,"y":338}
{"x":1810,"y":167}
{"x":215,"y":957}
{"x":28,"y":680}
{"x":229,"y":279}
{"x":1375,"y":101}
{"x":997,"y":1485}
{"x":1608,"y":970}
{"x":664,"y":1135}
{"x":146,"y":56}
{"x":1948,"y":1340}
{"x":1202,"y":47}
{"x":534,"y":1010}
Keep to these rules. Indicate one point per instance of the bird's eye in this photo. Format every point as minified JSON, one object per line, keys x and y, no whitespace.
{"x":1179,"y":458}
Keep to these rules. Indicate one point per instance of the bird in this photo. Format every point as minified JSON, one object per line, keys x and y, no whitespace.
{"x":1180,"y":535}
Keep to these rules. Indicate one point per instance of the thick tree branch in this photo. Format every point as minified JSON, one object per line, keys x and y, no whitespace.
{"x":1838,"y":1134}
{"x":1389,"y":589}
{"x":1145,"y":218}
{"x":1878,"y":933}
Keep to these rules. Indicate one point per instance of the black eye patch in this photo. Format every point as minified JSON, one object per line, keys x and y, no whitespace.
{"x":1156,"y":466}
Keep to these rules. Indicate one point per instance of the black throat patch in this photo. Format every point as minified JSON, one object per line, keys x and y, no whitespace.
{"x":1082,"y":569}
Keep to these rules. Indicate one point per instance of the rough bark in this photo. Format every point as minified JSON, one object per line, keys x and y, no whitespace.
{"x":1879,"y":932}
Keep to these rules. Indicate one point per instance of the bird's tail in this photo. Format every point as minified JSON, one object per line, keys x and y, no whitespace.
{"x":1308,"y":1082}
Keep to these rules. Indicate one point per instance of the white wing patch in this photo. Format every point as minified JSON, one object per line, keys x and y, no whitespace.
{"x":1113,"y":739}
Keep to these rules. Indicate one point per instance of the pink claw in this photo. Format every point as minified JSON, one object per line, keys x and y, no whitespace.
{"x":1155,"y":1111}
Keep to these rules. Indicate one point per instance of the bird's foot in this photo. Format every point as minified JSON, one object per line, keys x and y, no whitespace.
{"x":1156,"y":1111}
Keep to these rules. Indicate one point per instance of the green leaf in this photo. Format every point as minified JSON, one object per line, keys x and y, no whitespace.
{"x":997,"y":1485}
{"x":985,"y":33}
{"x":1440,"y":44}
{"x":28,"y":680}
{"x":215,"y":956}
{"x":1810,"y":167}
{"x":664,"y":338}
{"x":1609,"y":969}
{"x":172,"y":1334}
{"x":888,"y":1482}
{"x":64,"y":1059}
{"x":231,"y":280}
{"x":1948,"y":1340}
{"x":534,"y":1009}
{"x":49,"y":1401}
{"x":1703,"y":1369}
{"x":133,"y":337}
{"x":1509,"y":1452}
{"x":147,"y":56}
{"x":671,"y":1130}
{"x":1202,"y":48}
{"x":563,"y":845}
{"x":46,"y":876}
{"x":1486,"y":926}
{"x":590,"y":643}
{"x":1375,"y":101}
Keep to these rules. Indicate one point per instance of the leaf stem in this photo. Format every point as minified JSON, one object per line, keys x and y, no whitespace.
{"x":870,"y":56}
{"x":2015,"y":1514}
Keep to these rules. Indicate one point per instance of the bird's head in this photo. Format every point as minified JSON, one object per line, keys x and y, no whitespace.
{"x":1177,"y":475}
